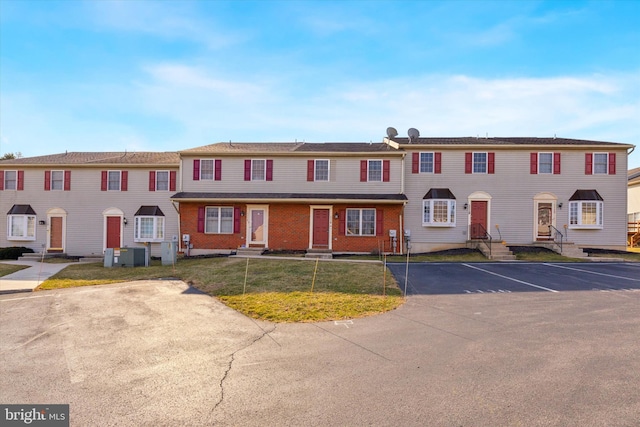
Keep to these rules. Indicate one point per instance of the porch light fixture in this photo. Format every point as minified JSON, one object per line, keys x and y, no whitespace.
{"x":41,"y":222}
{"x":336,"y":216}
{"x":466,"y":205}
{"x":124,"y":221}
{"x":241,"y":213}
{"x":560,"y":205}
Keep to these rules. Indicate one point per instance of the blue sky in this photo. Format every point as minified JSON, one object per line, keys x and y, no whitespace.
{"x":169,"y":75}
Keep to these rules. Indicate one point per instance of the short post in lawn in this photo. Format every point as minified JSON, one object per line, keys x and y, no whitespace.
{"x":384,"y":276}
{"x":315,"y":270}
{"x":246,"y":270}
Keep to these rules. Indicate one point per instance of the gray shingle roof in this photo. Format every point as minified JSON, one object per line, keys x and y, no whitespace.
{"x":469,"y":140}
{"x":91,"y":158}
{"x":289,"y":196}
{"x":289,"y":147}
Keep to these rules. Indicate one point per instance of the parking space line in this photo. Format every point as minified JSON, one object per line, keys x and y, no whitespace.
{"x":592,"y":272}
{"x":511,"y":278}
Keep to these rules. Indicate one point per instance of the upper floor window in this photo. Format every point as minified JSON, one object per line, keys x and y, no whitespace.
{"x":586,"y":208}
{"x":361,"y":222}
{"x":375,"y":170}
{"x":57,"y":180}
{"x":545,"y":163}
{"x":600,"y":163}
{"x":207,"y":169}
{"x":426,"y":162}
{"x":162,"y":180}
{"x":317,"y":170}
{"x":114,"y":180}
{"x":10,"y":180}
{"x":258,"y":170}
{"x":480,"y":163}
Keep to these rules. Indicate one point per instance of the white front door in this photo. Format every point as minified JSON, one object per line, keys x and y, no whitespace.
{"x":257,"y":225}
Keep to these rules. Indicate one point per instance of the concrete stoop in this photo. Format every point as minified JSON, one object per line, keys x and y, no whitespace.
{"x":319,"y":253}
{"x":499,"y":252}
{"x":248,"y":252}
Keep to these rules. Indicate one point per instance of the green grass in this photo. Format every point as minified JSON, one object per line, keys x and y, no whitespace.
{"x":275,"y":290}
{"x":629,"y":256}
{"x":10,"y":268}
{"x":545,"y":257}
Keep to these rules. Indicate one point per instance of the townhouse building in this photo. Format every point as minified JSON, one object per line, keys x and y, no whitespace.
{"x":436,"y":193}
{"x":81,"y":203}
{"x":331,"y":197}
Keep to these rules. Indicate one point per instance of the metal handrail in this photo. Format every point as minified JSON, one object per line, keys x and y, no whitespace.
{"x":486,"y":233}
{"x":555,"y":237}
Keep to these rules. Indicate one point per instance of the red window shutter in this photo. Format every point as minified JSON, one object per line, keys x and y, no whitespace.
{"x":218,"y":170}
{"x":379,"y":222}
{"x":533,"y":170}
{"x":152,"y":180}
{"x":310,"y":170}
{"x":103,"y":183}
{"x":236,"y":219}
{"x":342,"y":229}
{"x":588,"y":163}
{"x":491,"y":162}
{"x":612,"y":163}
{"x":437,"y":160}
{"x":201,"y":219}
{"x":386,"y":170}
{"x":67,"y":180}
{"x":20,"y":180}
{"x":172,"y":180}
{"x":247,"y":170}
{"x":124,"y":177}
{"x":47,"y":180}
{"x":363,"y":171}
{"x":196,"y":169}
{"x":1,"y":180}
{"x":269,"y":176}
{"x":468,"y":162}
{"x":556,"y":163}
{"x":415,"y":163}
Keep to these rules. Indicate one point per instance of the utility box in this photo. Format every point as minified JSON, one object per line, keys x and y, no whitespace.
{"x":108,"y":257}
{"x":169,"y":252}
{"x":129,"y":257}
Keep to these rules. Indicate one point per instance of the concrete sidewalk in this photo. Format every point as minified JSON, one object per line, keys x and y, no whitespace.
{"x":27,"y":279}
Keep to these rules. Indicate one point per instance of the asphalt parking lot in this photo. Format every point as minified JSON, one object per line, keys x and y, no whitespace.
{"x":159,"y":353}
{"x":468,"y":278}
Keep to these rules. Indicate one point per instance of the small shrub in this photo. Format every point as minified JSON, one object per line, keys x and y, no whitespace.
{"x":14,"y":252}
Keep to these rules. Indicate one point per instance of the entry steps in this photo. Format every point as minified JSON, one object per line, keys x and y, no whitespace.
{"x":499,"y":251}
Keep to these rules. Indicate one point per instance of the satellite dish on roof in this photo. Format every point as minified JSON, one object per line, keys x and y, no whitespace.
{"x":413,"y":134}
{"x":392,"y":132}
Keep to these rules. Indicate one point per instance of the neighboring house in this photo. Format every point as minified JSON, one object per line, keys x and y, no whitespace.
{"x":518,"y":190}
{"x":633,"y":206}
{"x":81,"y":203}
{"x":338,"y":197}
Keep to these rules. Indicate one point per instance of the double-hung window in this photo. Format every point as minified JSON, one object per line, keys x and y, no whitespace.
{"x":57,"y":180}
{"x":479,"y":162}
{"x":375,"y":170}
{"x":321,"y":170}
{"x":361,"y":222}
{"x":218,"y":220}
{"x":113,"y":180}
{"x":545,"y":162}
{"x":426,"y":162}
{"x":10,"y":180}
{"x":586,"y":209}
{"x":162,"y":180}
{"x":600,"y":163}
{"x":206,"y":169}
{"x":439,"y":208}
{"x":258,"y":170}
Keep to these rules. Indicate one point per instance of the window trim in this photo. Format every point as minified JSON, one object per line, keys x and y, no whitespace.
{"x":540,"y":172}
{"x":157,"y":237}
{"x":25,"y":218}
{"x":451,"y":212}
{"x":369,"y":170}
{"x":315,"y":170}
{"x":158,"y":172}
{"x":219,"y":230}
{"x":347,"y":231}
{"x":577,"y":206}
{"x":485,"y":163}
{"x":119,"y":180}
{"x":606,"y":163}
{"x":264,"y":170}
{"x":433,"y":162}
{"x":15,"y":180}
